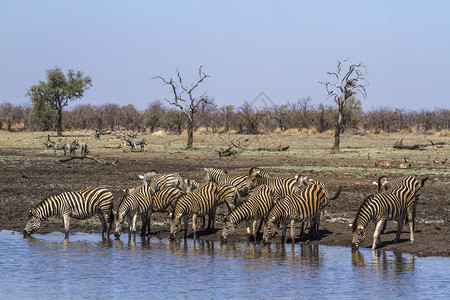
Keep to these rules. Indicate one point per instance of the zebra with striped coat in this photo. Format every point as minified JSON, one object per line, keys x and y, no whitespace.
{"x":137,"y":201}
{"x":198,"y":203}
{"x":394,"y":204}
{"x":383,"y":184}
{"x":283,"y":186}
{"x":304,"y":205}
{"x":162,"y":201}
{"x":220,"y":177}
{"x":81,"y":204}
{"x":256,"y":207}
{"x":158,"y":181}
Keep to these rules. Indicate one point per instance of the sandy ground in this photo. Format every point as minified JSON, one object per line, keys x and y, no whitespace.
{"x":29,"y":173}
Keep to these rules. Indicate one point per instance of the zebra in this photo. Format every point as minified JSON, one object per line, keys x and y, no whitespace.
{"x":133,"y":143}
{"x":383,"y":184}
{"x":304,"y":205}
{"x":220,"y":176}
{"x":256,"y":207}
{"x":80,"y":204}
{"x":73,"y":146}
{"x":393,"y":204}
{"x":198,"y":203}
{"x":84,"y":150}
{"x":159,"y":180}
{"x":162,"y":200}
{"x":283,"y":186}
{"x":137,"y":201}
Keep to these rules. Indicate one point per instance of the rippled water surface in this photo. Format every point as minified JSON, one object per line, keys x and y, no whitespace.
{"x":46,"y":266}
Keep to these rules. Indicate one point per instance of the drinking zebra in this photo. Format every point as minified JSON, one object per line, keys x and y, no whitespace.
{"x":81,"y":204}
{"x":136,"y":202}
{"x":162,"y":201}
{"x":256,"y":207}
{"x":304,"y":205}
{"x":198,"y":203}
{"x":394,"y":204}
{"x":383,"y":184}
{"x":132,"y":142}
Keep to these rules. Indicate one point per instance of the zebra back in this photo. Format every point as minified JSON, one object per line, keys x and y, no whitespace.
{"x":227,"y":193}
{"x":164,"y":198}
{"x":258,"y":205}
{"x":200,"y":201}
{"x":221,"y":177}
{"x":283,"y":186}
{"x":158,"y":181}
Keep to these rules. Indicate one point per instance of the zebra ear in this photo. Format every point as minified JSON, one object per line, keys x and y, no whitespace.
{"x":114,"y":212}
{"x":141,"y":176}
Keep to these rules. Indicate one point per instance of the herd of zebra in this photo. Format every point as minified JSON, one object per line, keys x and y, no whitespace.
{"x":256,"y":196}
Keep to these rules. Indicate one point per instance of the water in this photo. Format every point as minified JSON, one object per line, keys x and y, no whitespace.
{"x":46,"y":266}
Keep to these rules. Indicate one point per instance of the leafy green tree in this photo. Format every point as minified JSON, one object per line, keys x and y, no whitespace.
{"x":41,"y":117}
{"x":58,"y":90}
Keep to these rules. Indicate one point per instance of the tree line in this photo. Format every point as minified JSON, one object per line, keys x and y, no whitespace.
{"x":244,"y":119}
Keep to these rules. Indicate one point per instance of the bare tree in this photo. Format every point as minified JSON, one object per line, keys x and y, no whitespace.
{"x":343,"y":88}
{"x":188,"y":106}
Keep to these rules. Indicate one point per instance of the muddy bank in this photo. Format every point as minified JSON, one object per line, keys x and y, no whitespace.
{"x":28,"y":177}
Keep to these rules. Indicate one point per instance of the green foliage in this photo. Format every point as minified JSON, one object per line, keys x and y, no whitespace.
{"x":59,"y":89}
{"x":154,"y":115}
{"x":41,"y":117}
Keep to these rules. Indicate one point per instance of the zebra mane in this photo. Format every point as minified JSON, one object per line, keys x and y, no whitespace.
{"x":366,"y":202}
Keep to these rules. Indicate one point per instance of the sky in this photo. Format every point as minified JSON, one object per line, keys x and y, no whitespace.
{"x":278,"y":49}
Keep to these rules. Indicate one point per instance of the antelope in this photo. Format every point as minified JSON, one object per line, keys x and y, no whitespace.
{"x":382,"y":164}
{"x":406,"y":164}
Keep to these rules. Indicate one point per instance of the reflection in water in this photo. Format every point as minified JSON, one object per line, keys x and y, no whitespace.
{"x":47,"y":266}
{"x":383,"y":261}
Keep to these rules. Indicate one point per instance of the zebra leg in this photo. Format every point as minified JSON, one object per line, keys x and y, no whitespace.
{"x":411,"y":225}
{"x":133,"y":224}
{"x":292,"y":231}
{"x":66,"y":224}
{"x":185,"y":227}
{"x":399,"y":228}
{"x":105,"y":226}
{"x":376,"y":234}
{"x":148,"y":222}
{"x":255,"y":221}
{"x":260,"y":225}
{"x":283,"y":233}
{"x":144,"y":224}
{"x":194,"y":225}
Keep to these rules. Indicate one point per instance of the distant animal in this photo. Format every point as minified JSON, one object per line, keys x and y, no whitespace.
{"x":73,"y":146}
{"x":406,"y":164}
{"x":132,"y":142}
{"x":81,"y":204}
{"x":383,"y":164}
{"x":62,"y":146}
{"x":49,"y":143}
{"x":84,"y":150}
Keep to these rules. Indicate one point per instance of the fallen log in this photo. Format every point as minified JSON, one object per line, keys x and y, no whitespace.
{"x":279,"y":148}
{"x":69,"y":158}
{"x":399,"y":145}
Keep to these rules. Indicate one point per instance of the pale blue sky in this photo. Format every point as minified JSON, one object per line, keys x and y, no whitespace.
{"x":283,"y":48}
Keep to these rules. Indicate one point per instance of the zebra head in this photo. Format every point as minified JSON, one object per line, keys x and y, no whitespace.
{"x":33,"y":224}
{"x":358,"y":237}
{"x":118,"y":224}
{"x":175,"y":225}
{"x":268,"y":230}
{"x":228,"y":229}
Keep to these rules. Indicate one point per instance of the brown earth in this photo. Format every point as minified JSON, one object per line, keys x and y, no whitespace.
{"x":29,"y":173}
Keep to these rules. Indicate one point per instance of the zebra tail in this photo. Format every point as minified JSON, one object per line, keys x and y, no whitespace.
{"x":338,"y":193}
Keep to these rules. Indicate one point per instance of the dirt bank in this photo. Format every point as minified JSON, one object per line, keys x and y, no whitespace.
{"x":29,"y":173}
